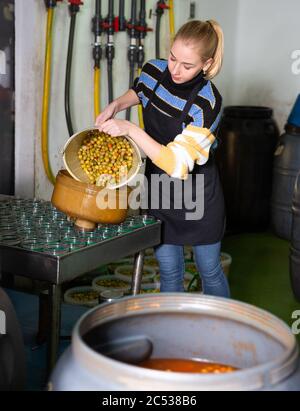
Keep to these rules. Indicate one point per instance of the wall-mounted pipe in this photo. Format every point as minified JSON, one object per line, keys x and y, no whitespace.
{"x":160,"y":9}
{"x":171,"y":20}
{"x":132,"y":50}
{"x":74,"y":8}
{"x":122,"y":20}
{"x":142,"y":32}
{"x":110,"y":27}
{"x":50,"y":5}
{"x":97,"y":55}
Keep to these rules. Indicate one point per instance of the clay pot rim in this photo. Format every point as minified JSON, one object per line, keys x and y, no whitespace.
{"x":79,"y":185}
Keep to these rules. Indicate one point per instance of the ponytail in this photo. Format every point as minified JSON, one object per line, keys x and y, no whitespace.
{"x":208,"y":36}
{"x":216,"y":65}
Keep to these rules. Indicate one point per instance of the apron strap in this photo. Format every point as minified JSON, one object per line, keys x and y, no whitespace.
{"x":188,"y":104}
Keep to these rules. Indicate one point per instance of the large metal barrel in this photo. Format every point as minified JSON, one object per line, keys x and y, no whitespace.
{"x":285,"y":169}
{"x":248,"y":138}
{"x":12,"y":351}
{"x":108,"y":340}
{"x":295,"y":241}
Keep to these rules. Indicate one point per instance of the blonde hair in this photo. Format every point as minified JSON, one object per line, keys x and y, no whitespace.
{"x":209,"y":36}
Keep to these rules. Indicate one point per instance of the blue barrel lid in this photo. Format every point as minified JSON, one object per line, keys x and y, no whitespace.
{"x":294,"y":117}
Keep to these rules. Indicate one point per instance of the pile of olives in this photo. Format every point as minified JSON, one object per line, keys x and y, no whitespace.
{"x":82,"y":296}
{"x":105,"y":159}
{"x":112,"y":283}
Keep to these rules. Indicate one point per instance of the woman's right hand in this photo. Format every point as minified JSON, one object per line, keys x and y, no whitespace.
{"x":109,"y":112}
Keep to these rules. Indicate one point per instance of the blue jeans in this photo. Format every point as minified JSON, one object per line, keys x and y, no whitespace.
{"x":207,"y":258}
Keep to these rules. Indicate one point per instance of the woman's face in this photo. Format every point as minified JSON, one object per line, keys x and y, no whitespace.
{"x":184,"y":62}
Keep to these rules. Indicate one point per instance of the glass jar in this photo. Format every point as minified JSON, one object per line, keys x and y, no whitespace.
{"x":57,"y":249}
{"x":33,"y":244}
{"x":76,"y":246}
{"x":108,"y":296}
{"x":147,"y":219}
{"x":134,"y":222}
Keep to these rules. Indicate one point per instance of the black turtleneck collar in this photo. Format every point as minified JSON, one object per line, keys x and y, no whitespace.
{"x":187,"y":85}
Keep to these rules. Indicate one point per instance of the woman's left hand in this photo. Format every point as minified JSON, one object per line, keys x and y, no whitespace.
{"x":116,"y":127}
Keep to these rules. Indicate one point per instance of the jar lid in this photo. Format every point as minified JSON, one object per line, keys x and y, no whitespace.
{"x":110,"y":295}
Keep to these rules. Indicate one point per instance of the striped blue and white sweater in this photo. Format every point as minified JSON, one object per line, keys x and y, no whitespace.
{"x":193,"y":145}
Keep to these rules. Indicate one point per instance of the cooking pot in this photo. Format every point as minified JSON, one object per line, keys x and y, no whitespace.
{"x":110,"y":341}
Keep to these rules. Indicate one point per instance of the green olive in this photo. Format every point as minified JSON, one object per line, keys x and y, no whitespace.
{"x":104,"y":158}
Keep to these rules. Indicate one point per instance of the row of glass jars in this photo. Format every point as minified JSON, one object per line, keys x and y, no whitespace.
{"x":36,"y":225}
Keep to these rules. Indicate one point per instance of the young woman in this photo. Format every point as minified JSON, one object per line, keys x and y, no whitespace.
{"x":181,"y":111}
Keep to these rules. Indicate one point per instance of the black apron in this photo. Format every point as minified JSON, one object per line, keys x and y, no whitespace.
{"x":176,"y":229}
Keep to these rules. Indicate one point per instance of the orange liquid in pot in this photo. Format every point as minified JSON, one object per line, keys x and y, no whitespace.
{"x":186,"y":365}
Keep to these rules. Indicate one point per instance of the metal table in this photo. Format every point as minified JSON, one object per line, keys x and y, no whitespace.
{"x":56,"y":270}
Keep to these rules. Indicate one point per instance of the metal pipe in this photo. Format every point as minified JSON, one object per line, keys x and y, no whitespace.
{"x":97,"y":30}
{"x":133,"y":19}
{"x":137,"y":272}
{"x":160,"y":8}
{"x":142,"y":28}
{"x":68,"y":73}
{"x":98,"y":7}
{"x":111,"y":9}
{"x":55,"y":319}
{"x":97,"y":55}
{"x":122,"y":21}
{"x":132,"y":51}
{"x":131,"y":75}
{"x":109,"y":49}
{"x":142,"y":17}
{"x":46,"y":94}
{"x":110,"y":82}
{"x":171,"y":19}
{"x":74,"y":8}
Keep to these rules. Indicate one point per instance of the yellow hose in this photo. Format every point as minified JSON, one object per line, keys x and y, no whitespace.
{"x":171,"y":19}
{"x":45,"y":109}
{"x":140,"y":109}
{"x":97,"y":73}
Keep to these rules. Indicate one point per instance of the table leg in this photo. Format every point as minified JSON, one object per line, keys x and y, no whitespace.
{"x":54,"y":332}
{"x":137,"y":272}
{"x":44,"y":317}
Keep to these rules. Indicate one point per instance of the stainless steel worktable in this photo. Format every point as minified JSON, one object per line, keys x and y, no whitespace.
{"x":56,"y":270}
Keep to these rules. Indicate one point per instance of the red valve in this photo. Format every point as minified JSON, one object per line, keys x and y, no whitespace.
{"x":162,"y":6}
{"x":143,"y":29}
{"x":130,"y":26}
{"x":76,"y":2}
{"x":116,"y":24}
{"x":106,"y":26}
